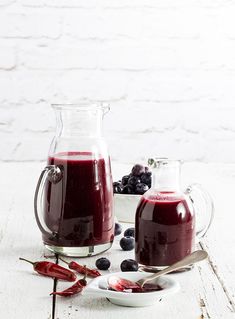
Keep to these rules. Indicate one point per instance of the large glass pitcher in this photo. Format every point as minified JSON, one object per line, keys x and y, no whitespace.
{"x":74,"y":196}
{"x":169,"y":220}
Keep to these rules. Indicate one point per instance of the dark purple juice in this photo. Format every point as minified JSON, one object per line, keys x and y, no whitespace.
{"x":165,"y":229}
{"x":78,"y":209}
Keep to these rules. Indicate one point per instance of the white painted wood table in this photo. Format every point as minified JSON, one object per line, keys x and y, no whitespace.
{"x":207,"y":291}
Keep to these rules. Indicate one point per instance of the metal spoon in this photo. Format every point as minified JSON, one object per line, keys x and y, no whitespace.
{"x":196,"y":256}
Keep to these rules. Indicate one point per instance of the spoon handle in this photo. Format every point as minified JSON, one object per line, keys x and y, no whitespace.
{"x":196,"y":256}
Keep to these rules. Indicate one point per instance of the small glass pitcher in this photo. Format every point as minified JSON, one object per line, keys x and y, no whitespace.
{"x":74,"y":196}
{"x":167,"y":219}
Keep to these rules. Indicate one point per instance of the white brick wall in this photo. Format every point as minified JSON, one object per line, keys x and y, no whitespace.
{"x":166,"y":67}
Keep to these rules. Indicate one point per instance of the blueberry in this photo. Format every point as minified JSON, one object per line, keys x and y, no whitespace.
{"x":133,"y":180}
{"x":118,"y":229}
{"x":138,"y":169}
{"x":102,"y":263}
{"x":129,"y":265}
{"x":130,"y":232}
{"x":117,"y":183}
{"x":127,"y":243}
{"x":127,"y":189}
{"x":141,"y":188}
{"x":117,"y":187}
{"x":147,"y":169}
{"x":125,"y":179}
{"x":146,"y":178}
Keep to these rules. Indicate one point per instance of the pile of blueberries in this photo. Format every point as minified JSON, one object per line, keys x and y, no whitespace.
{"x":126,"y":243}
{"x":137,"y":182}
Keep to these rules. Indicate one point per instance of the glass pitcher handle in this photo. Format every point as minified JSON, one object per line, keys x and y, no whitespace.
{"x":105,"y":108}
{"x":53,"y":174}
{"x":203,"y":207}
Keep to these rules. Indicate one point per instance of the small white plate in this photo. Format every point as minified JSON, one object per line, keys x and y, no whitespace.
{"x":125,"y":207}
{"x":97,"y":287}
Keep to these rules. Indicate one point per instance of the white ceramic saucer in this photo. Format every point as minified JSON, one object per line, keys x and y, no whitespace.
{"x":98,"y":286}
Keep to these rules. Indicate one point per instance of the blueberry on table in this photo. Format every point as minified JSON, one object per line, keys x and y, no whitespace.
{"x":127,"y":189}
{"x":127,"y":243}
{"x":129,"y":265}
{"x":129,"y":232}
{"x":102,"y":263}
{"x":118,"y":229}
{"x":141,"y":188}
{"x":125,"y":179}
{"x":138,"y":169}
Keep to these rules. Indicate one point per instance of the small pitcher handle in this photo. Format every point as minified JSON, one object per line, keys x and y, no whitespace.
{"x":203,"y":207}
{"x":53,"y":174}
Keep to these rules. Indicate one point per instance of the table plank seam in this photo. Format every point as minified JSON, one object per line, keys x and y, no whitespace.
{"x":203,"y":308}
{"x":215,"y":271}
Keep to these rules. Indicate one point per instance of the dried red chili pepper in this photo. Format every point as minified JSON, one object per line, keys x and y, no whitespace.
{"x":73,"y":290}
{"x":53,"y":270}
{"x":82,"y":269}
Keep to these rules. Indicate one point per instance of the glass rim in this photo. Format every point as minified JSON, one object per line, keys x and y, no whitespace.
{"x":161,"y":161}
{"x":82,"y":106}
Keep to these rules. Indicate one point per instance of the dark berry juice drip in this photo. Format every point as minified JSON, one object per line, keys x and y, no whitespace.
{"x":165,"y":229}
{"x":78,"y":209}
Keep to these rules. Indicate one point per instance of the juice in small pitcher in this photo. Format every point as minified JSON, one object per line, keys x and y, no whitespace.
{"x":165,"y":229}
{"x":166,"y":217}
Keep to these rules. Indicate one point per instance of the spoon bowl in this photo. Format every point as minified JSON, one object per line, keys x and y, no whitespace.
{"x":99,"y":287}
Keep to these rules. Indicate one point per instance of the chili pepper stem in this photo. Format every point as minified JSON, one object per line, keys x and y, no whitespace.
{"x":66,"y":262}
{"x":85,"y":275}
{"x":31,"y":262}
